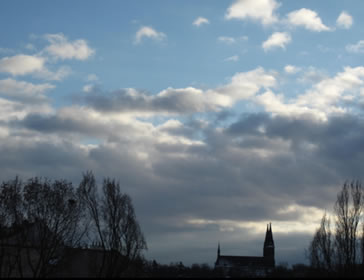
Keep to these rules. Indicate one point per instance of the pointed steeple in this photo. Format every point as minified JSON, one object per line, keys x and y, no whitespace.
{"x":268,"y":249}
{"x":218,"y":249}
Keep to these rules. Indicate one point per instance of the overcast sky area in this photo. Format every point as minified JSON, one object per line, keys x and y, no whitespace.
{"x":217,"y":117}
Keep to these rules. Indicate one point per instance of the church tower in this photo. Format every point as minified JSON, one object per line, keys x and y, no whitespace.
{"x":268,"y":249}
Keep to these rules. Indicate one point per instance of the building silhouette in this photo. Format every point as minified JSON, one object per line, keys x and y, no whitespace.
{"x":246,"y":265}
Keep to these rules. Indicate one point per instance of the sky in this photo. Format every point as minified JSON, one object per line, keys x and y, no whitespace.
{"x":216,"y":117}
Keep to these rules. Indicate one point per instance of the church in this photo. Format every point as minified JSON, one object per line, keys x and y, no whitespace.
{"x":249,"y":266}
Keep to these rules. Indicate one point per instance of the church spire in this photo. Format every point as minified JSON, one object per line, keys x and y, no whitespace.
{"x":218,"y":249}
{"x":268,"y":250}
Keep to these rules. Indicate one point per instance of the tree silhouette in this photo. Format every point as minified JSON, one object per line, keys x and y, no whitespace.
{"x":38,"y":219}
{"x":340,"y":251}
{"x":114,"y":224}
{"x":44,"y":222}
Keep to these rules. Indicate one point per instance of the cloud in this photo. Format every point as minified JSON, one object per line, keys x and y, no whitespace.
{"x":24,"y":91}
{"x":308,"y":19}
{"x":291,"y":69}
{"x":58,"y":75}
{"x":148,"y":32}
{"x":192,"y":177}
{"x":324,"y":99}
{"x":311,"y":75}
{"x":200,"y":21}
{"x":88,"y":88}
{"x":356,"y":48}
{"x":21,"y":64}
{"x":182,"y":101}
{"x":277,"y":39}
{"x":61,"y":48}
{"x":232,"y":58}
{"x":345,"y":20}
{"x":38,"y":65}
{"x":92,"y":78}
{"x":168,"y":101}
{"x":226,"y":40}
{"x":257,"y":10}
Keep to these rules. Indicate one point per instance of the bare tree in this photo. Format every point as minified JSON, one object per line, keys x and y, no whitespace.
{"x":340,"y":251}
{"x":348,"y":209}
{"x":37,"y":220}
{"x":54,"y":214}
{"x":321,"y":247}
{"x":11,"y":218}
{"x":115,"y":226}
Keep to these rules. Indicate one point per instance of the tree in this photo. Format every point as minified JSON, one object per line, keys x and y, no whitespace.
{"x":114,"y":224}
{"x":321,"y":248}
{"x":340,"y":251}
{"x":54,"y":215}
{"x":38,"y":220}
{"x":348,"y":209}
{"x":11,"y":217}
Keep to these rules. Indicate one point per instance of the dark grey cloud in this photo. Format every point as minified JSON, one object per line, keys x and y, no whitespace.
{"x":176,"y":101}
{"x":52,"y":123}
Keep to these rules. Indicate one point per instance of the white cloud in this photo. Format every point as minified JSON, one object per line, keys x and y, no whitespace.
{"x":92,"y":78}
{"x":25,"y":91}
{"x":312,"y":75}
{"x":308,"y":19}
{"x":320,"y":101}
{"x":245,"y":85}
{"x":58,"y":75}
{"x":276,"y":105}
{"x":21,"y":64}
{"x":148,"y":32}
{"x":345,"y":20}
{"x":200,"y":20}
{"x":291,"y":69}
{"x":277,"y":39}
{"x":61,"y":48}
{"x":226,"y":40}
{"x":258,"y":10}
{"x":232,"y":58}
{"x":356,"y":48}
{"x":87,"y":88}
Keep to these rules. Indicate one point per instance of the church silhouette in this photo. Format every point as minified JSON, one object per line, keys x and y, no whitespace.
{"x":251,"y":266}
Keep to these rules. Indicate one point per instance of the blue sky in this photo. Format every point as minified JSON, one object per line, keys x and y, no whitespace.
{"x":216,"y":116}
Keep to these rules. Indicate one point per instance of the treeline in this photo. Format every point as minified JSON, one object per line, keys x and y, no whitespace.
{"x":154,"y":269}
{"x":337,"y":247}
{"x":52,"y":228}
